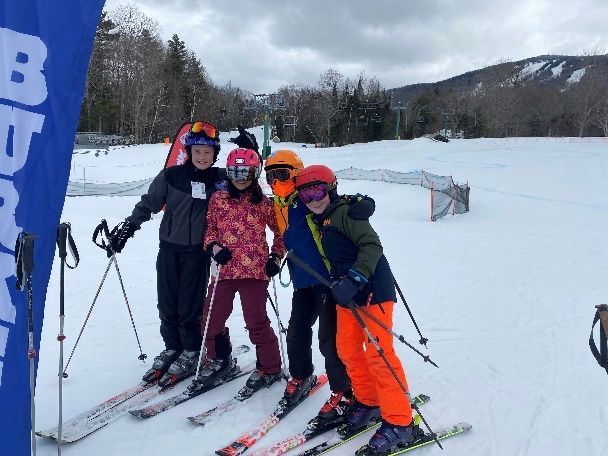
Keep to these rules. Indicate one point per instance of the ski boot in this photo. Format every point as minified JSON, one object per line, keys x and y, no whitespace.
{"x":184,"y":366}
{"x":214,"y":370}
{"x":256,"y":381}
{"x":389,"y":438}
{"x":160,"y":365}
{"x":333,"y":412}
{"x":358,"y":417}
{"x":296,"y":388}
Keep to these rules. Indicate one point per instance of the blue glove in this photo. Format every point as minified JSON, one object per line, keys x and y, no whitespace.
{"x":345,"y":289}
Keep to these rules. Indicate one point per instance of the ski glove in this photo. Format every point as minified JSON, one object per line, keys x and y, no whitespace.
{"x":220,"y":253}
{"x":360,"y":207}
{"x":345,"y":289}
{"x":119,"y":236}
{"x":273,"y":265}
{"x":245,"y":139}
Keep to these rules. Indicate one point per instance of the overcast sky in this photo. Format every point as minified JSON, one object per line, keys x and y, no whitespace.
{"x":263,"y":44}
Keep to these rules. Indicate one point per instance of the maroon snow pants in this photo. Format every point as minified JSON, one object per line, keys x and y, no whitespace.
{"x":253,"y":301}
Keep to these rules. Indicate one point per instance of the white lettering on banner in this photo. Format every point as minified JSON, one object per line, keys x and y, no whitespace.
{"x":9,"y":198}
{"x":3,"y":340}
{"x":24,"y":124}
{"x":21,"y":63}
{"x":7,"y":269}
{"x":22,"y":81}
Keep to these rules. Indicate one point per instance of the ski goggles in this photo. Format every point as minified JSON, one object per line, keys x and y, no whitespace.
{"x":206,"y":128}
{"x":242,"y":173}
{"x":278,"y":174}
{"x":312,"y":193}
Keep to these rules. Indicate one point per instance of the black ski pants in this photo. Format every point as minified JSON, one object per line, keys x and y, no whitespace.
{"x":181,"y":280}
{"x":306,"y":305}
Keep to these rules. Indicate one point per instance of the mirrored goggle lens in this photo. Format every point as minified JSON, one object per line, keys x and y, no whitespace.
{"x":280,"y":174}
{"x":241,"y":173}
{"x":313,"y":193}
{"x":204,"y":127}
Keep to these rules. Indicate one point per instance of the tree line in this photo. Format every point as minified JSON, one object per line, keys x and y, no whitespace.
{"x":140,"y":86}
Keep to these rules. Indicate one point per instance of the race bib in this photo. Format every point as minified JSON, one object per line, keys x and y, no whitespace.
{"x":198,"y":190}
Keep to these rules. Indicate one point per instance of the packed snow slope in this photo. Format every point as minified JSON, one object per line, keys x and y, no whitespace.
{"x":505,"y":294}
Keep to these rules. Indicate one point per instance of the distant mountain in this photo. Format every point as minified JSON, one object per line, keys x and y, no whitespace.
{"x":555,"y":71}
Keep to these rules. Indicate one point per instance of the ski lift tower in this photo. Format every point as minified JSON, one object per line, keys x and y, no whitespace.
{"x":398,"y":108}
{"x":267,"y":104}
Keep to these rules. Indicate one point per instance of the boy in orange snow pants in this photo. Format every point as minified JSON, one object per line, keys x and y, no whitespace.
{"x":361,"y":275}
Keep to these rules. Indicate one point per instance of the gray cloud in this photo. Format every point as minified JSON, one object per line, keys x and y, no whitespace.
{"x":261,"y":45}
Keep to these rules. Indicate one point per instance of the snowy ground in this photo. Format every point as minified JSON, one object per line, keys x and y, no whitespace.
{"x":505,"y":295}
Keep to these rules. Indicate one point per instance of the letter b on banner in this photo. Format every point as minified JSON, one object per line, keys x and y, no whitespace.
{"x":21,"y":62}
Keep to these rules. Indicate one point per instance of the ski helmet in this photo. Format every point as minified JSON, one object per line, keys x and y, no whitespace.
{"x":202,"y":133}
{"x":283,"y":158}
{"x":243,"y":164}
{"x":281,"y":168}
{"x":316,"y":174}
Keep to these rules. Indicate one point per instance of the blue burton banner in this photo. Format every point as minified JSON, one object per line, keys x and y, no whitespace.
{"x":45,"y":48}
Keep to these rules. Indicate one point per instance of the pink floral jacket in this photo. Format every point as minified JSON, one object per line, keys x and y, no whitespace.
{"x":241,"y":226}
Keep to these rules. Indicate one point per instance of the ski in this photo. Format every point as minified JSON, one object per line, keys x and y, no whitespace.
{"x":203,"y":418}
{"x":310,"y":433}
{"x":451,"y":431}
{"x":108,"y":411}
{"x":248,"y":439}
{"x":194,"y":389}
{"x":77,"y":429}
{"x":98,"y":409}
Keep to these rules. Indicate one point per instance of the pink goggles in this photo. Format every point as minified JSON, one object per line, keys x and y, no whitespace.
{"x":313,"y":193}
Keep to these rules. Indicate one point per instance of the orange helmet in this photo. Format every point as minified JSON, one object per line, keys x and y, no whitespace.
{"x":283,"y":158}
{"x":281,"y":167}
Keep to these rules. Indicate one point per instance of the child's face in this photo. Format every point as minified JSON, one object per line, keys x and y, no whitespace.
{"x":318,"y":207}
{"x":241,"y":185}
{"x":202,"y":156}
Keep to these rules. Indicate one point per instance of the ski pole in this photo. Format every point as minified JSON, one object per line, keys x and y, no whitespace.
{"x":24,"y":260}
{"x":399,"y":337}
{"x":63,"y":237}
{"x":282,"y":330}
{"x":142,"y":356}
{"x":292,"y":256}
{"x":103,"y":226}
{"x":423,"y":340}
{"x":353,"y":308}
{"x":203,"y":351}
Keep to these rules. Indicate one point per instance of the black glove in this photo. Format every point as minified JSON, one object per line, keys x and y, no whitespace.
{"x":245,"y":139}
{"x":345,"y":289}
{"x":119,"y":235}
{"x":222,"y":256}
{"x":360,"y":207}
{"x":272,"y":266}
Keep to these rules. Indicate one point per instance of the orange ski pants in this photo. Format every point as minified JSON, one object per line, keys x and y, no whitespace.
{"x":372,"y":381}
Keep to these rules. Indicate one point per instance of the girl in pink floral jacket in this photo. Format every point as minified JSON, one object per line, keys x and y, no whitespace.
{"x":236,"y":239}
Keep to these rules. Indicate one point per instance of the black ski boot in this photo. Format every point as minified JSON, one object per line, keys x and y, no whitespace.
{"x":296,"y":388}
{"x":389,"y":438}
{"x":333,"y":413}
{"x":214,"y":369}
{"x":160,"y":365}
{"x":184,"y":366}
{"x":256,"y":381}
{"x":359,"y":416}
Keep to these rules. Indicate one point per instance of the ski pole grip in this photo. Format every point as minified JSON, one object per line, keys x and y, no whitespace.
{"x":27,"y":253}
{"x":62,"y":238}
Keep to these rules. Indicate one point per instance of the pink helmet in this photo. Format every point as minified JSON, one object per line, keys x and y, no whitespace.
{"x":243,"y":162}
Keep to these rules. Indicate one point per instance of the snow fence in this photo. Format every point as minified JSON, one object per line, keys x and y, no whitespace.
{"x":446,"y":195}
